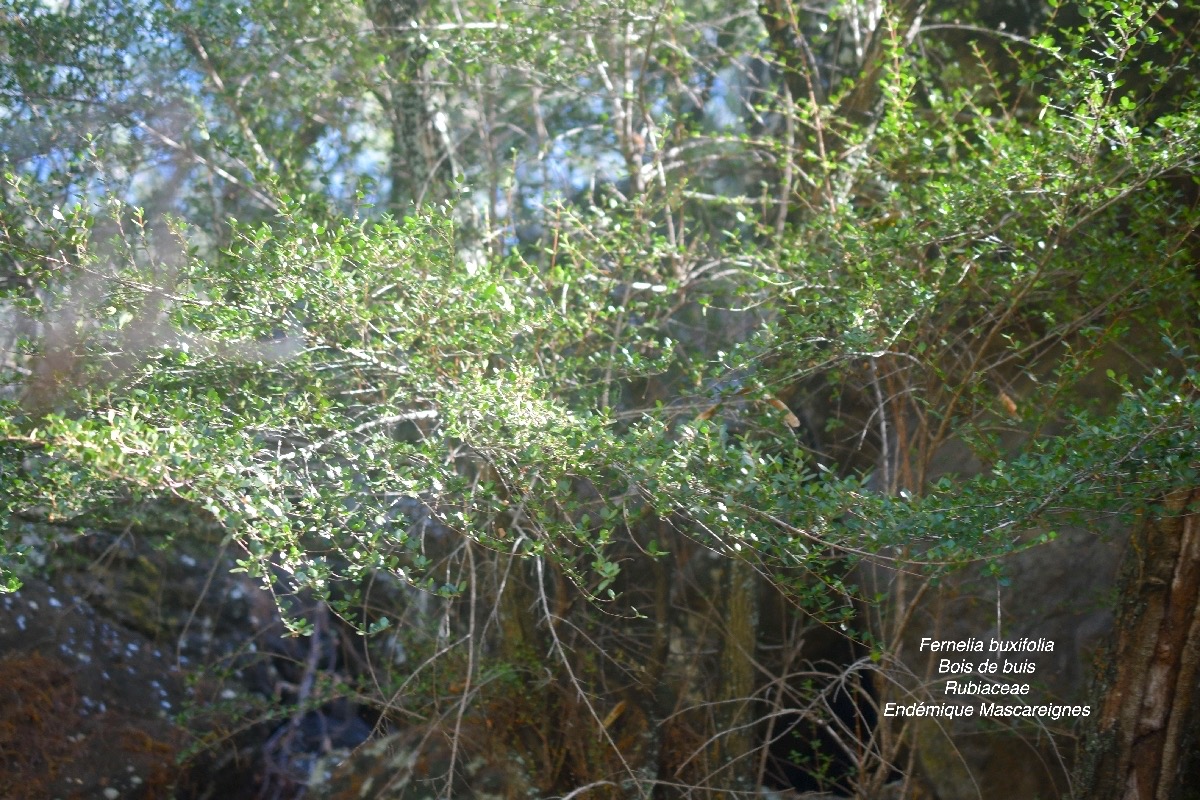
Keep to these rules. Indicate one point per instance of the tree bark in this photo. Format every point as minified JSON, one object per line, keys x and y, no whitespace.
{"x":1142,"y":745}
{"x":736,"y":739}
{"x":411,"y":163}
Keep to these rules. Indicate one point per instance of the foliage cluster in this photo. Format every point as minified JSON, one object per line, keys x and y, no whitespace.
{"x":584,"y":288}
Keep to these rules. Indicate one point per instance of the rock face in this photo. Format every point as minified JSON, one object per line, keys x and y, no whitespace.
{"x":98,"y":660}
{"x":85,"y":704}
{"x":413,"y":766}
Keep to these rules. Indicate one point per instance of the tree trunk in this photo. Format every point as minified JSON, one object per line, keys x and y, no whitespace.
{"x":402,"y":93}
{"x":736,"y":739}
{"x":1143,"y":742}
